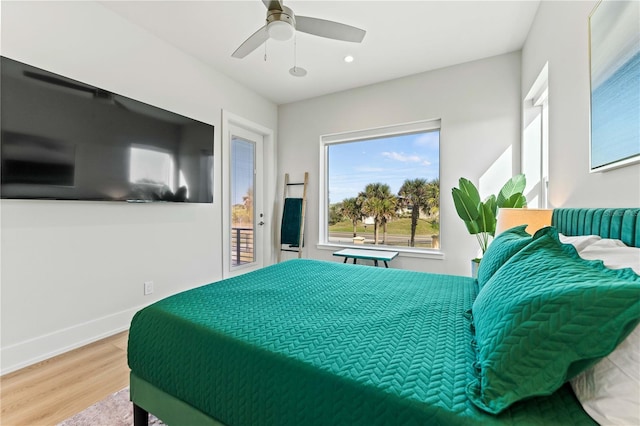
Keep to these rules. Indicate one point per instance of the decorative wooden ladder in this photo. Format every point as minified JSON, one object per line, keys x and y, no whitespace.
{"x":293,"y":213}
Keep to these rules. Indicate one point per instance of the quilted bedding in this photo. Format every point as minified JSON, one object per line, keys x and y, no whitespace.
{"x":308,"y":342}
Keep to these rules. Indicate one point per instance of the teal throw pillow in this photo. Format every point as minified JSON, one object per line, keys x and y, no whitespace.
{"x":545,"y":316}
{"x":500,"y":250}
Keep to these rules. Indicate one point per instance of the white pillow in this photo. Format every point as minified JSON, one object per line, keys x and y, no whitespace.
{"x":579,"y":242}
{"x":614,"y":253}
{"x":610,"y":390}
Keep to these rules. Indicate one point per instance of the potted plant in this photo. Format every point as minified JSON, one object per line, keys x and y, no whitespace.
{"x":480,"y":216}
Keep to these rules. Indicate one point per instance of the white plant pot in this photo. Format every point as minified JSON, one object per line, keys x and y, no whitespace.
{"x":475,"y":263}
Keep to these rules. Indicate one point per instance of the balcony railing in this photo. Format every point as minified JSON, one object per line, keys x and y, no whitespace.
{"x":241,"y":246}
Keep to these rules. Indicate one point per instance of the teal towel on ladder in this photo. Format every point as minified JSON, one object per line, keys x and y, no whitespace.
{"x":291,"y":217}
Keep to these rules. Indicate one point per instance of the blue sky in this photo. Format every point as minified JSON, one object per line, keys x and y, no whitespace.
{"x":242,"y":164}
{"x":389,"y":160}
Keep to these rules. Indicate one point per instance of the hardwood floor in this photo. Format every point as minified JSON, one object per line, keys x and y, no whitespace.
{"x":53,"y":390}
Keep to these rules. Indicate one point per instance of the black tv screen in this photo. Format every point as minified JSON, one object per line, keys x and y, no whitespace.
{"x":66,"y":140}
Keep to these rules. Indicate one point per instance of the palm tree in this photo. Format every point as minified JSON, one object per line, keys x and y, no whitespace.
{"x":352,"y":209}
{"x":433,"y":197}
{"x":415,"y":193}
{"x":378,"y":202}
{"x":247,"y":199}
{"x":335,"y":214}
{"x":247,"y":203}
{"x":388,"y":211}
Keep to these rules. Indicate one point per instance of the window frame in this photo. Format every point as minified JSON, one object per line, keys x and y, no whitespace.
{"x":536,"y":105}
{"x":421,"y":126}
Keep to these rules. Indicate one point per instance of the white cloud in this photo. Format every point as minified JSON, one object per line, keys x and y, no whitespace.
{"x":399,"y":156}
{"x":365,"y":169}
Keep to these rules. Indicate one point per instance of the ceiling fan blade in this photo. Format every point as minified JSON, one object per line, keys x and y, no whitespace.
{"x":252,"y":43}
{"x":329,"y":29}
{"x":273,"y":4}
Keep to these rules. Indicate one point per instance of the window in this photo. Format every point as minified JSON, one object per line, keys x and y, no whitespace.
{"x":242,"y":181}
{"x":382,"y":187}
{"x":535,"y":142}
{"x":151,"y":173}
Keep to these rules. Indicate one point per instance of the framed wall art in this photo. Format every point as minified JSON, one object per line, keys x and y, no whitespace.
{"x":614,"y":42}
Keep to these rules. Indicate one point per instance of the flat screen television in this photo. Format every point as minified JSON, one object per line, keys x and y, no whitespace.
{"x":66,"y":140}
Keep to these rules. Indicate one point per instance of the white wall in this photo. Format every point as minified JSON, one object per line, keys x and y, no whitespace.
{"x":560,"y":35}
{"x":73,"y":272}
{"x":479,"y":105}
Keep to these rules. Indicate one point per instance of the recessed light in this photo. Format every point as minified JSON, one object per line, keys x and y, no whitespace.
{"x":348,"y":59}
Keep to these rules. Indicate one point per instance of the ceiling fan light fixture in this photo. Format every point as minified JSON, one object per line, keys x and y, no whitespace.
{"x":280,"y":30}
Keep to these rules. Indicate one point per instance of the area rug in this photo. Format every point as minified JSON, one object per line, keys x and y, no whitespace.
{"x":114,"y":410}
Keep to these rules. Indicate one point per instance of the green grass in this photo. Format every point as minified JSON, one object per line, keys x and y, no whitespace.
{"x":397,"y":227}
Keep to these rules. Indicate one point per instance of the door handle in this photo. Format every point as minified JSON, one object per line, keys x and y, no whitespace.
{"x":261,"y":223}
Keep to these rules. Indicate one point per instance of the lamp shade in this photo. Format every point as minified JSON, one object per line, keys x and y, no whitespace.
{"x":535,"y":218}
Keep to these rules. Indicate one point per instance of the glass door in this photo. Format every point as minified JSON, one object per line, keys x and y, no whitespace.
{"x":244,"y":202}
{"x":243,"y":182}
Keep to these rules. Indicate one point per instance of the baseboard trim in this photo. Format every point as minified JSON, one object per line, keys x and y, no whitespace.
{"x":31,"y":351}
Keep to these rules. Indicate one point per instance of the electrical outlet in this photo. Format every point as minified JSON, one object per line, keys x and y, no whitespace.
{"x":148,"y":287}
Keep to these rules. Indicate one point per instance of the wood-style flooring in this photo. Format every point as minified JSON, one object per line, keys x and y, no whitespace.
{"x":53,"y":390}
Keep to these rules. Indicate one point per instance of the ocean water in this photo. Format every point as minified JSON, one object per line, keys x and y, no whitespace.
{"x":615,"y":115}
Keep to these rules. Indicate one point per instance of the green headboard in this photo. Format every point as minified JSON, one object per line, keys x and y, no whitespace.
{"x":621,"y":224}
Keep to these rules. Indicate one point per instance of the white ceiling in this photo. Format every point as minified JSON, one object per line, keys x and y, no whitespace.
{"x":403,"y":38}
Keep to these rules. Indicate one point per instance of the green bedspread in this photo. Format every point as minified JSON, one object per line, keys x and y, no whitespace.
{"x":308,"y":342}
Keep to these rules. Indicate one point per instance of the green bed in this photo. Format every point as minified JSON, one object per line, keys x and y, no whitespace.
{"x":309,"y":342}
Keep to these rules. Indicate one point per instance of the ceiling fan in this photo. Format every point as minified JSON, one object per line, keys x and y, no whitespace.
{"x":282,"y":23}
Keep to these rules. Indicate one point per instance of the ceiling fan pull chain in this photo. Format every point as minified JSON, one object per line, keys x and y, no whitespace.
{"x":295,"y":50}
{"x":296,"y":71}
